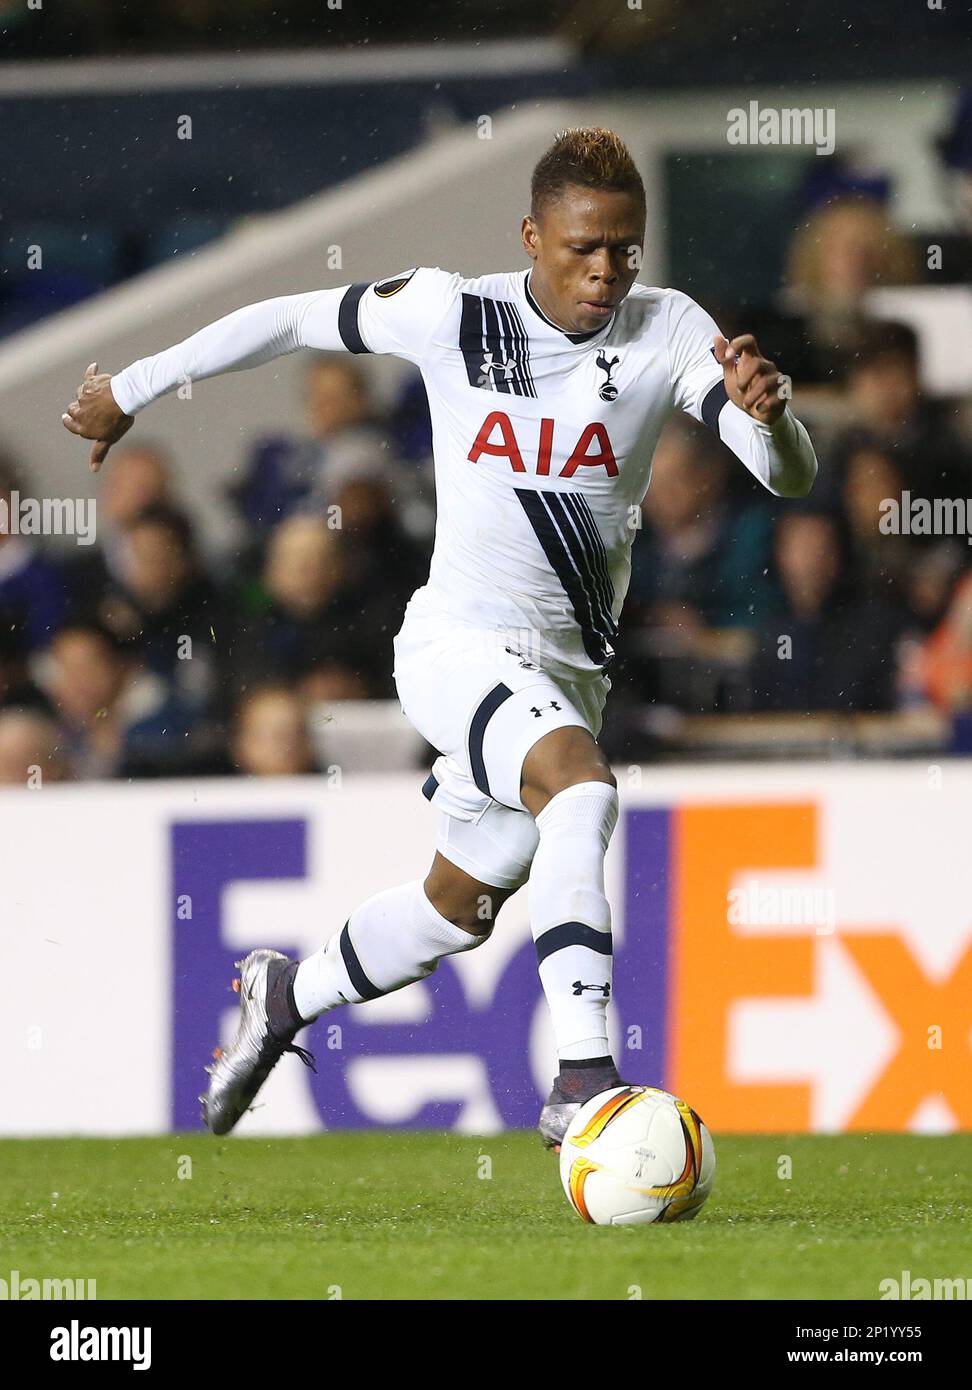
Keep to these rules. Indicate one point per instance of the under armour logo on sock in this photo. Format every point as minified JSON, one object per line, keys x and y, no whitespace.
{"x":580,"y":988}
{"x":553,"y":705}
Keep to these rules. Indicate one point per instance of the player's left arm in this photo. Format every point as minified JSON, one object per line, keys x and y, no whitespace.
{"x":736,"y":391}
{"x":753,"y":384}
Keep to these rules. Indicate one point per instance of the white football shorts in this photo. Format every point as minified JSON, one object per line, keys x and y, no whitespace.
{"x":473,"y":694}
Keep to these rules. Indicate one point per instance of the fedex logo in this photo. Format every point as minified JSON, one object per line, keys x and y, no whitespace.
{"x":497,"y":438}
{"x":763,"y":1024}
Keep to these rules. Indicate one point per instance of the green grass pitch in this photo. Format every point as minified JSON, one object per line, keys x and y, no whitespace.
{"x":387,"y":1216}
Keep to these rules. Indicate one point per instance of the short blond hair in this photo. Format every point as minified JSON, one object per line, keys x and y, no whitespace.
{"x":588,"y":157}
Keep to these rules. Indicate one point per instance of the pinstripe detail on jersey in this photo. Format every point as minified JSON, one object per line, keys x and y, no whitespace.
{"x":565,"y":527}
{"x":494,"y":346}
{"x":515,"y":332}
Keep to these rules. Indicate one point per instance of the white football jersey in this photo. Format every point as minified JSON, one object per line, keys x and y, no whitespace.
{"x":542,"y":439}
{"x":538,"y":478}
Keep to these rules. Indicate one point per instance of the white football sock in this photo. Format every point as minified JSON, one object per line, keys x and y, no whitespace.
{"x":570,"y":916}
{"x":393,"y":938}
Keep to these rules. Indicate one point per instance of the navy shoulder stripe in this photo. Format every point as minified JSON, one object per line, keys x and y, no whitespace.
{"x":348,"y":318}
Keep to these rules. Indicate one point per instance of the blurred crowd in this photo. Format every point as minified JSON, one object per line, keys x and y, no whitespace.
{"x":138,"y":657}
{"x":141,"y":656}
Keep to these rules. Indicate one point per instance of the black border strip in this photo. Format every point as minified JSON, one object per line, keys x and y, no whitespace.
{"x":348,"y":318}
{"x":715,"y":398}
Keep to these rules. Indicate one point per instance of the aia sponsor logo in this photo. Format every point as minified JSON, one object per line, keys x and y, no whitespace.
{"x":497,"y":438}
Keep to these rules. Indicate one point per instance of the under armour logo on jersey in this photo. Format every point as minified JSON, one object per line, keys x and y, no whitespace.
{"x":553,"y":705}
{"x":489,"y":367}
{"x":607,"y":389}
{"x":579,"y":988}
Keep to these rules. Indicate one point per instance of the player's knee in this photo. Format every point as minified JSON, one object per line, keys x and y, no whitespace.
{"x":465,"y":903}
{"x":477,"y":915}
{"x":596,"y":771}
{"x":565,"y":762}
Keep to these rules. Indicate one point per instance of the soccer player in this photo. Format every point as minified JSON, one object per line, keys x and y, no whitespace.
{"x":541,"y":383}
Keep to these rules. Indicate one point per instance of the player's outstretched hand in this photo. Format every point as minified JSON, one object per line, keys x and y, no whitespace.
{"x":752,"y":381}
{"x":95,"y":415}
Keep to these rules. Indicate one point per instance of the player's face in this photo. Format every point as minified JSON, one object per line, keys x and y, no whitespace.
{"x":586,"y":247}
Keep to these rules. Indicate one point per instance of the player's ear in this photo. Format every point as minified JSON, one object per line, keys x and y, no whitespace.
{"x":530,"y":235}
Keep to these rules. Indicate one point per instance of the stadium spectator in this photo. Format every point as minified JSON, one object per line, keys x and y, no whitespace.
{"x":17,"y":688}
{"x":946,"y":663}
{"x":116,"y":720}
{"x":329,"y":680}
{"x":410,"y":423}
{"x":887,"y":402}
{"x":698,"y":583}
{"x":879,"y":561}
{"x":699,"y":562}
{"x":270,"y":736}
{"x":840,"y":251}
{"x":33,"y":596}
{"x":163,"y":603}
{"x":137,"y":478}
{"x":930,"y":582}
{"x":306,"y":614}
{"x":30,"y":749}
{"x":365,"y":495}
{"x":283,"y":473}
{"x":827,"y":649}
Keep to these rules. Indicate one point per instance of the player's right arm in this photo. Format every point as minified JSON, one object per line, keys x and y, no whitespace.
{"x":397,"y":315}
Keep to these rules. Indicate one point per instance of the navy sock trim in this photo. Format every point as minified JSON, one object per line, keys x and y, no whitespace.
{"x":573,"y":934}
{"x":358,"y":978}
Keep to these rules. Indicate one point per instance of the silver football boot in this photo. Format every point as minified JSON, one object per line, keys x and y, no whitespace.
{"x":240,"y":1070}
{"x":555,"y":1118}
{"x":585,"y":1081}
